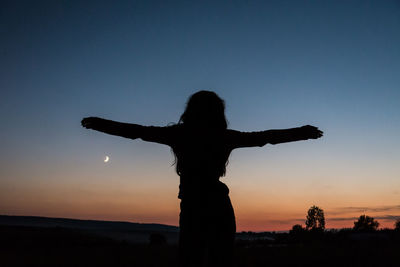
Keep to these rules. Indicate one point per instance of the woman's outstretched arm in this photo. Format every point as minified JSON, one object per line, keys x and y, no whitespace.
{"x":162,"y":135}
{"x":249,"y":139}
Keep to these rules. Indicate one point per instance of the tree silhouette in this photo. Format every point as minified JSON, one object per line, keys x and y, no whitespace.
{"x":365,"y":223}
{"x":315,"y":219}
{"x":397,"y":225}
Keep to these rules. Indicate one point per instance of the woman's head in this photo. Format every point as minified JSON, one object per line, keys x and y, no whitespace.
{"x":205,"y":109}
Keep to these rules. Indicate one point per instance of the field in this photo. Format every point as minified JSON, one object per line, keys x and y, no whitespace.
{"x":58,"y":246}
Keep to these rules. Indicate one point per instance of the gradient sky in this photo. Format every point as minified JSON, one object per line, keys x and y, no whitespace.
{"x":277,"y":64}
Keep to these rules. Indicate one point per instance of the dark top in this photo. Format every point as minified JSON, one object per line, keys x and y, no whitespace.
{"x":201,"y":155}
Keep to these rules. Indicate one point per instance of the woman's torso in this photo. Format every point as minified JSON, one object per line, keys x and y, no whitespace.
{"x":201,"y":158}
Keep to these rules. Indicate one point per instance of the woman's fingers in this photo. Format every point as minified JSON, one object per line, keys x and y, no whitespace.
{"x":318,"y":133}
{"x":313,"y":132}
{"x":85,"y":122}
{"x":89,"y":122}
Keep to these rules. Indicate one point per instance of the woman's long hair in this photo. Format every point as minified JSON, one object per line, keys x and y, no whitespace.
{"x":204,"y":110}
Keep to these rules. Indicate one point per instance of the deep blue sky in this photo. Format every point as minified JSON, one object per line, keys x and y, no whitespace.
{"x":278,"y":64}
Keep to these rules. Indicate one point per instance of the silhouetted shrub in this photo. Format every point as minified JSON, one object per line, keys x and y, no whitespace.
{"x":296,"y":229}
{"x":365,"y":223}
{"x":298,"y":233}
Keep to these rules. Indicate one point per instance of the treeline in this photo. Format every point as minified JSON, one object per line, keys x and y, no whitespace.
{"x":364,"y":231}
{"x":315,"y":221}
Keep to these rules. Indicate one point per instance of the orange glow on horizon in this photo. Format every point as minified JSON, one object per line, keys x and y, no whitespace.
{"x":260,"y":203}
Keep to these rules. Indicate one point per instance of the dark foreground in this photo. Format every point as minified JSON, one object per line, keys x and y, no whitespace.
{"x":57,"y":246}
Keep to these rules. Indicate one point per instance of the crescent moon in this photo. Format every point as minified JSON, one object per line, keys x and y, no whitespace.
{"x":106,"y":159}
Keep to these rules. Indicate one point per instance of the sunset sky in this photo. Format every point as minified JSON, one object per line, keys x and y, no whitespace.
{"x":277,"y":64}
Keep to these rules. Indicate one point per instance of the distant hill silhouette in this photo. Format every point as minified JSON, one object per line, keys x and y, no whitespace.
{"x":83,"y":224}
{"x":127,"y":231}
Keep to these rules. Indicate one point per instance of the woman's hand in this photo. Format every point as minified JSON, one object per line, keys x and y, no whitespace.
{"x":92,"y":122}
{"x":311,"y":132}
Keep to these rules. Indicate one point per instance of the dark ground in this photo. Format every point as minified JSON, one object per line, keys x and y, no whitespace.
{"x":57,"y":246}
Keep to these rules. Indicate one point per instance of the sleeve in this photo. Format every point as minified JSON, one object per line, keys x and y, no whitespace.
{"x":237,"y":139}
{"x":162,"y":135}
{"x":250,"y":139}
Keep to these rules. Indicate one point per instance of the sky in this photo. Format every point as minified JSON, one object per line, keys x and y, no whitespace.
{"x":277,"y":64}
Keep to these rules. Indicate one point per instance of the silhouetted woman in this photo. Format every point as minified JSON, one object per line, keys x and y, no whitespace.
{"x":202,"y":143}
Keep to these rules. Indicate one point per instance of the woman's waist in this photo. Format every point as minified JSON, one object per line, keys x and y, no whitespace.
{"x":198,"y":188}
